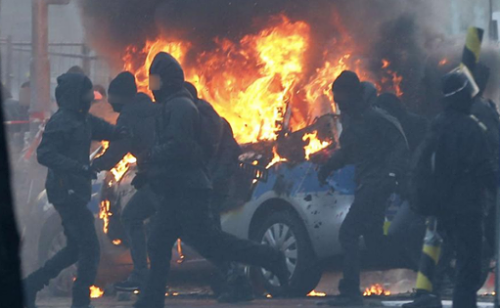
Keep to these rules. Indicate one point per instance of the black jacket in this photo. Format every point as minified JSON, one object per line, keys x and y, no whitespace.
{"x":373,"y":142}
{"x":65,"y":145}
{"x":139,"y":118}
{"x":464,"y":157}
{"x":177,"y":159}
{"x":485,"y":111}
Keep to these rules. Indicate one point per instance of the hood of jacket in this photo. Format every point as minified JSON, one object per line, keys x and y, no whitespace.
{"x":171,"y":75}
{"x":71,"y":92}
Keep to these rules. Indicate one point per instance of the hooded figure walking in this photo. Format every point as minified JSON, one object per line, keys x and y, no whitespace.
{"x":179,"y":175}
{"x":375,"y":143}
{"x":65,"y":150}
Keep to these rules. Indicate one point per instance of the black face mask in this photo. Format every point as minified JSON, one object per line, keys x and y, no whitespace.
{"x":86,"y":102}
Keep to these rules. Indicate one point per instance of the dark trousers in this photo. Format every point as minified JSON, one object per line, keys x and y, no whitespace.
{"x":466,"y":233}
{"x":185,"y":214}
{"x":141,"y":207}
{"x":82,"y":246}
{"x":365,"y":218}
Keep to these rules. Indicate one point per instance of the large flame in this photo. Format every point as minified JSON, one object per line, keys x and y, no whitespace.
{"x":96,"y":292}
{"x":376,"y":290}
{"x":252,"y":82}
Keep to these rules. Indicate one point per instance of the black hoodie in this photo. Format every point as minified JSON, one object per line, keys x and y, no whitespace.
{"x":177,"y":158}
{"x":139,"y":118}
{"x":65,"y":145}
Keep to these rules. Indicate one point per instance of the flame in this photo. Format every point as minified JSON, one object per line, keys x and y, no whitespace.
{"x":179,"y":251}
{"x":95,"y":292}
{"x":443,"y":62}
{"x":315,"y":145}
{"x":117,"y":242}
{"x":254,"y":81}
{"x":313,"y":293}
{"x":104,"y":214}
{"x":385,"y":63}
{"x":276,"y":159}
{"x":119,"y":170}
{"x":376,"y":290}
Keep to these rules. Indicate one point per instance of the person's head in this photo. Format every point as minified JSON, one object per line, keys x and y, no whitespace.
{"x":369,"y":92}
{"x":25,"y":94}
{"x":76,"y":70}
{"x":74,"y":92}
{"x":348,"y":93}
{"x":191,"y":89}
{"x":391,"y":104}
{"x":165,"y":76}
{"x":122,"y":90}
{"x":458,"y":91}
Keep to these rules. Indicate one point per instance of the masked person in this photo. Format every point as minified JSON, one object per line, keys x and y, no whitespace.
{"x":137,"y":114}
{"x":463,"y":169}
{"x":485,"y":112}
{"x":407,"y":228}
{"x":179,"y":174}
{"x":375,"y":144}
{"x":222,"y":167}
{"x":65,"y":150}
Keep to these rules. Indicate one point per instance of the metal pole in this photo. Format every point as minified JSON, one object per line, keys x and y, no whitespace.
{"x":40,"y":66}
{"x":86,"y":59}
{"x":8,"y":65}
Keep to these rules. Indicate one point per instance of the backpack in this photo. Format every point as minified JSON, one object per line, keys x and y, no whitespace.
{"x":429,"y":188}
{"x":211,"y":129}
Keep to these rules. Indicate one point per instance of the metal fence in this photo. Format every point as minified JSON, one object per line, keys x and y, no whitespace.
{"x":16,"y":62}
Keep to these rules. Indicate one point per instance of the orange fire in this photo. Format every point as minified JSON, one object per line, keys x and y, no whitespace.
{"x":443,"y":62}
{"x":313,"y":293}
{"x":119,"y":170}
{"x":252,"y":82}
{"x":117,"y":242}
{"x":376,"y":290}
{"x":96,"y":292}
{"x":104,"y":214}
{"x":315,"y":145}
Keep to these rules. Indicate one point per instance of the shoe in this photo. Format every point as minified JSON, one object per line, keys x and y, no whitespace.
{"x":282,"y":272}
{"x":427,"y":300}
{"x":32,"y":284}
{"x":127,"y":285}
{"x":238,"y":289}
{"x":343,"y":301}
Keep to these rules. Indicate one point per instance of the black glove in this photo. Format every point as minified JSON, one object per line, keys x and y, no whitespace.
{"x":88,"y":171}
{"x":139,"y":180}
{"x":123,"y":132}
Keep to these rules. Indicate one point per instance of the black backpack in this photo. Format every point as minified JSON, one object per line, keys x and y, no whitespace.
{"x":211,"y":128}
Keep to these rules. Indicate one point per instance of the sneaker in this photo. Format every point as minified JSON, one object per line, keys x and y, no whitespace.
{"x":282,"y":272}
{"x":343,"y":301}
{"x":427,"y":300}
{"x":127,"y":285}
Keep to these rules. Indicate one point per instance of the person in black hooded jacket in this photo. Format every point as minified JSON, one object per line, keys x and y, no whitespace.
{"x":65,"y":150}
{"x":179,"y":174}
{"x":137,"y":115}
{"x":375,"y":143}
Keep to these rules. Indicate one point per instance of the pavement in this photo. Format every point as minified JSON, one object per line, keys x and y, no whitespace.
{"x":209,"y":302}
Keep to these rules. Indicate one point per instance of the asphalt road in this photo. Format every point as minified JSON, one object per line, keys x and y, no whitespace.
{"x":190,"y":302}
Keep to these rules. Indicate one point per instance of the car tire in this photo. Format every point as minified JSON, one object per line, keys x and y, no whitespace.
{"x":294,"y":242}
{"x":53,"y":240}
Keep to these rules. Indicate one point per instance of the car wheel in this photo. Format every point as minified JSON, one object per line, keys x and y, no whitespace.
{"x":52,"y":241}
{"x":286,"y":232}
